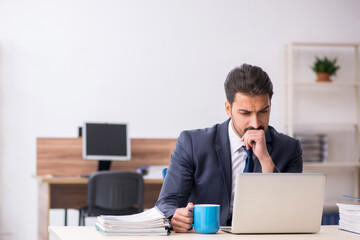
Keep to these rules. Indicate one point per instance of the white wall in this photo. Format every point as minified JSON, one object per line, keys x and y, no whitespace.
{"x":159,"y":65}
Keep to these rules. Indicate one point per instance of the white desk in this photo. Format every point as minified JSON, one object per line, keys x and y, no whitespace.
{"x":90,"y":233}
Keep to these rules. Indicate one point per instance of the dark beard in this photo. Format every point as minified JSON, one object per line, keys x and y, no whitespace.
{"x":251,"y":128}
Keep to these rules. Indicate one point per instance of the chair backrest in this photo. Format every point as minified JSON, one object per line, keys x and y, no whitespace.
{"x":115,"y":190}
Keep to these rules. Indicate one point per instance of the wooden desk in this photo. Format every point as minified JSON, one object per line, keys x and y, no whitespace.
{"x":70,"y":192}
{"x":63,"y":157}
{"x":90,"y":233}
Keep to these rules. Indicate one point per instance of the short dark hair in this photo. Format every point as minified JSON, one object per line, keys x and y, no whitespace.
{"x":247,"y":79}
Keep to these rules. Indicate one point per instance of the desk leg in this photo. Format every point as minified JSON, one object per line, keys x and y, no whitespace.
{"x":43,"y":210}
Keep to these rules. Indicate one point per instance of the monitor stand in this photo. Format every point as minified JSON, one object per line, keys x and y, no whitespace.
{"x":104,"y":165}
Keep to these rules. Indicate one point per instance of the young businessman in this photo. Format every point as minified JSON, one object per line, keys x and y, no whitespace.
{"x":205,"y":162}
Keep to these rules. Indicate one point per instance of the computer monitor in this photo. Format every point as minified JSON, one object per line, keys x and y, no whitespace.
{"x":106,"y":142}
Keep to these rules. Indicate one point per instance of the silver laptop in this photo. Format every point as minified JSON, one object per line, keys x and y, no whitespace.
{"x":278,"y":203}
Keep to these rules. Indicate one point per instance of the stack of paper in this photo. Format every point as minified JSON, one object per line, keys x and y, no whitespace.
{"x":150,"y":222}
{"x":349,"y":217}
{"x":314,"y":146}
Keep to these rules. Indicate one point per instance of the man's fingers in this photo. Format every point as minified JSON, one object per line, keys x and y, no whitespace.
{"x":247,"y":143}
{"x":181,"y":229}
{"x":190,"y":205}
{"x":250,"y":142}
{"x":182,"y":219}
{"x":251,"y":137}
{"x":183,"y":212}
{"x":180,"y":226}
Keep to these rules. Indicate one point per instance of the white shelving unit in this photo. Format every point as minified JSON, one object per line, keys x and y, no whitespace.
{"x":342,"y":169}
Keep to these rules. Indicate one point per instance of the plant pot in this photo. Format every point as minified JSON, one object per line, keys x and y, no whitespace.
{"x":323,"y":77}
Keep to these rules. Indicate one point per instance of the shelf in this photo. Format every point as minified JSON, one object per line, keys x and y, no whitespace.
{"x":332,"y":164}
{"x":78,"y":179}
{"x":323,"y":84}
{"x":318,"y":44}
{"x":325,"y":124}
{"x":299,"y":86}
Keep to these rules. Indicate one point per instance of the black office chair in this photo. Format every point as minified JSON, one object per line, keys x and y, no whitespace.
{"x":113,"y":193}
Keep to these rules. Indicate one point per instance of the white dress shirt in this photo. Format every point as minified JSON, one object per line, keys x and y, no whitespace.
{"x":238,"y":159}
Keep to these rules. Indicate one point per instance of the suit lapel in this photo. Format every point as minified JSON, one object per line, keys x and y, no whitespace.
{"x":222,"y":147}
{"x":257,"y":165}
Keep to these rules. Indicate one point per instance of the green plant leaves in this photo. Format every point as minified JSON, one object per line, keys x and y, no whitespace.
{"x":325,"y":66}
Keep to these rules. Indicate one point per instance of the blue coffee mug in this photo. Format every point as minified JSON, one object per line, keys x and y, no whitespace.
{"x":206,"y":218}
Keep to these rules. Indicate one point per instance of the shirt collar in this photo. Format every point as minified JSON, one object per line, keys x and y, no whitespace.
{"x":235,"y":142}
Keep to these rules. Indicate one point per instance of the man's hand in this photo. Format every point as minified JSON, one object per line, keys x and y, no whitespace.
{"x":255,"y":138}
{"x":182,"y":219}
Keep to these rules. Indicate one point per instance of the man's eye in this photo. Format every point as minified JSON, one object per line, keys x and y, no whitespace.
{"x":265,"y":111}
{"x":244,"y":113}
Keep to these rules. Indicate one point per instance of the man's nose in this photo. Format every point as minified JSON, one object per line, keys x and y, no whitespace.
{"x":255,"y":122}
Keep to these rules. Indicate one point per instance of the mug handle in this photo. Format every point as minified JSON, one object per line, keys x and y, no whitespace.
{"x":192,"y":223}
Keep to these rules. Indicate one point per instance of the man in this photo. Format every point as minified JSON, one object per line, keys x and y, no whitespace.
{"x":205,"y":162}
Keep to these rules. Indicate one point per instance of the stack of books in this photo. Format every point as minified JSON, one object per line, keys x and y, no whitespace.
{"x":314,"y":146}
{"x":150,"y":222}
{"x":349,"y":217}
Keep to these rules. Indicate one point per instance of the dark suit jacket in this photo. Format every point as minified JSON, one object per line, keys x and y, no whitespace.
{"x":200,"y":168}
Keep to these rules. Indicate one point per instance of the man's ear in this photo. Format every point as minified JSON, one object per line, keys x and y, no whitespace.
{"x":228,"y":109}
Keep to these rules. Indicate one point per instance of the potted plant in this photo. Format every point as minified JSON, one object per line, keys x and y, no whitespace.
{"x":324,"y":68}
